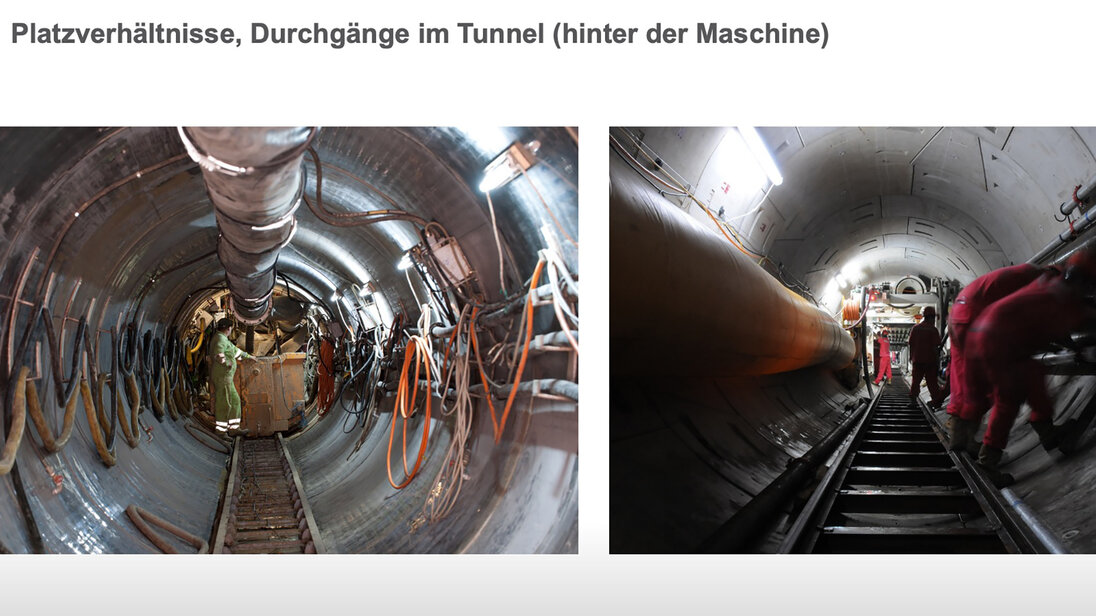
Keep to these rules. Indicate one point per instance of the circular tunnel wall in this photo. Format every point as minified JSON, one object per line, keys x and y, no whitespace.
{"x":952,"y":203}
{"x":115,"y":225}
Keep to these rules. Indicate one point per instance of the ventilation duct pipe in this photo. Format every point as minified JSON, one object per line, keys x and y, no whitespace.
{"x":255,"y":180}
{"x":688,"y":302}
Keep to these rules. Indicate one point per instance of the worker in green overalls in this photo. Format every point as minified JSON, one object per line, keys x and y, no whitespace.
{"x":222,"y":367}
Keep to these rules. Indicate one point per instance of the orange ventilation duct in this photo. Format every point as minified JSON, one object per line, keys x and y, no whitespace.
{"x":684,"y":300}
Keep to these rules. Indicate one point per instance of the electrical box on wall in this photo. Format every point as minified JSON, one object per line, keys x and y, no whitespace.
{"x":451,"y":259}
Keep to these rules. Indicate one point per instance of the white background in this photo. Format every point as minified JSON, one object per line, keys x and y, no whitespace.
{"x":888,"y":63}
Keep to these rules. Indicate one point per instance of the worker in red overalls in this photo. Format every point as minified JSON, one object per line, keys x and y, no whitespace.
{"x":1000,"y":345}
{"x":883,"y":360}
{"x":964,"y":413}
{"x":924,"y":344}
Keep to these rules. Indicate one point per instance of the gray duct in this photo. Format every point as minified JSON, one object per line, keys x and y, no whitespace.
{"x":255,"y":181}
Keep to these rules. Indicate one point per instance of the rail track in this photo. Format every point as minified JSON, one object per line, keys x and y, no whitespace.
{"x":894,"y":488}
{"x":263,"y":508}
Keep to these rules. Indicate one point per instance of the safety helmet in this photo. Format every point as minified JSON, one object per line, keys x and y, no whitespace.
{"x":1081,"y":266}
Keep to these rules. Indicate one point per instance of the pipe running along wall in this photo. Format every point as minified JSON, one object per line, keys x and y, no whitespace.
{"x":719,"y":312}
{"x":116,"y":227}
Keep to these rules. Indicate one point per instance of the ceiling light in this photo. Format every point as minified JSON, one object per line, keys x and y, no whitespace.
{"x":761,"y":154}
{"x":488,"y":139}
{"x":508,"y":165}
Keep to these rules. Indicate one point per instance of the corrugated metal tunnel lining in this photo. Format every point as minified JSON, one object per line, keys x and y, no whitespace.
{"x":889,"y":202}
{"x":118,"y":221}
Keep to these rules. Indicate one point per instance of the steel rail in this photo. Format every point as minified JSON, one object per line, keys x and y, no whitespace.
{"x":748,"y":523}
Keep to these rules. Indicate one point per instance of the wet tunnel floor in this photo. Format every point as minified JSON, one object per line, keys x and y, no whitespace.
{"x":899,"y":491}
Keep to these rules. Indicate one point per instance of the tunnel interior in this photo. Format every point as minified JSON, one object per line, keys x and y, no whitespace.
{"x":111,"y":232}
{"x":844,"y":211}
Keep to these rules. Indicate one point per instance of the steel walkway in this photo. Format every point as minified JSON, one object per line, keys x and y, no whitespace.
{"x":896,"y":489}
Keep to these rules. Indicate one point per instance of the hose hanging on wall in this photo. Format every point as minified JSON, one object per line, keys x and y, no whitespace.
{"x":18,"y":423}
{"x":419,"y":354}
{"x":65,"y":395}
{"x":16,"y":405}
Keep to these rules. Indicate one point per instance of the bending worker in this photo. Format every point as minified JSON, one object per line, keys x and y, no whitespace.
{"x":222,"y":391}
{"x":1001,"y":343}
{"x":924,"y":344}
{"x":964,"y":412}
{"x":883,"y":369}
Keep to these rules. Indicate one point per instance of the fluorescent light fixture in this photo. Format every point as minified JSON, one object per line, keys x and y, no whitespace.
{"x":761,"y":154}
{"x":832,"y":294}
{"x":508,"y":165}
{"x":739,"y":167}
{"x":405,"y":262}
{"x":499,"y":172}
{"x":487,"y":139}
{"x":852,"y":272}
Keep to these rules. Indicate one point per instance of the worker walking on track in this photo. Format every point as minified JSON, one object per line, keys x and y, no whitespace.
{"x":224,"y":398}
{"x":883,"y":359}
{"x":1002,"y":341}
{"x":964,"y":412}
{"x":924,"y":344}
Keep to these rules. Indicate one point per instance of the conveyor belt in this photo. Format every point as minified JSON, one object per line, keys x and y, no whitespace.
{"x":264,"y":510}
{"x":898,"y":490}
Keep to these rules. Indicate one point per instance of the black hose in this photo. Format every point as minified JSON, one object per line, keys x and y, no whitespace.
{"x":21,"y":358}
{"x":144,"y":373}
{"x":115,"y":378}
{"x":127,"y":349}
{"x":61,"y":391}
{"x":171,"y":359}
{"x":92,"y":351}
{"x":157,"y":359}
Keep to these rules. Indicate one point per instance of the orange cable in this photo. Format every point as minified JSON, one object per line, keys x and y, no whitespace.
{"x":414,"y":398}
{"x":448,"y":347}
{"x":524,"y":350}
{"x":401,"y":409}
{"x":483,"y":377}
